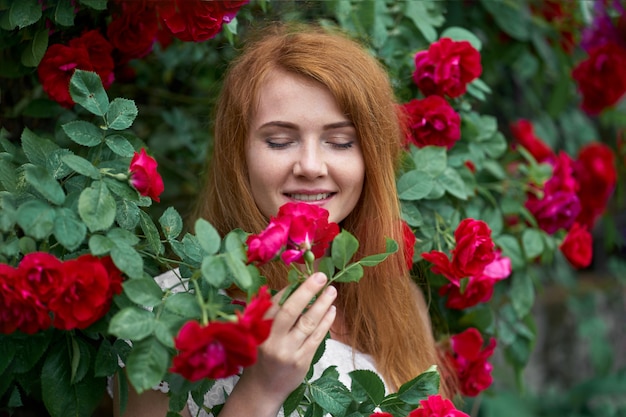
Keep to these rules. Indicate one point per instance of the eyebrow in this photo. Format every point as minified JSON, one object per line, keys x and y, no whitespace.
{"x":288,"y":125}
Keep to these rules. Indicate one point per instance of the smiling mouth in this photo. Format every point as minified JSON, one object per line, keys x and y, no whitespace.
{"x":309,"y":197}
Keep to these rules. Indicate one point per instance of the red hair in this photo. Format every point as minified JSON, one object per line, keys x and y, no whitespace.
{"x":385,"y":312}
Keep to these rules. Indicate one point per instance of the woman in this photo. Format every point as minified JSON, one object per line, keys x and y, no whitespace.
{"x":309,"y":116}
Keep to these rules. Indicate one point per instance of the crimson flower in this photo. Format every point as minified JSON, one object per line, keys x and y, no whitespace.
{"x":470,"y":360}
{"x":436,"y":406}
{"x":432,"y":121}
{"x":217,"y":350}
{"x":409,"y":244}
{"x":446,"y":68}
{"x":265,"y":246}
{"x":134,"y":29}
{"x":144,"y":176}
{"x":252,"y":317}
{"x":577,"y":247}
{"x":524,"y":135}
{"x":381,"y":414}
{"x":41,"y":274}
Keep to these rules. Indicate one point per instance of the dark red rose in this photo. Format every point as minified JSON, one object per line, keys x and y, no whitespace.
{"x":409,"y":244}
{"x":432,"y":121}
{"x":41,"y":272}
{"x":601,"y":78}
{"x":470,"y":361}
{"x":214,"y":351}
{"x":84,"y":295}
{"x":524,"y":134}
{"x":446,"y":68}
{"x":436,"y":406}
{"x":56,"y":69}
{"x":267,"y":245}
{"x":441,"y":265}
{"x":144,"y":175}
{"x":253,"y":317}
{"x":133,"y":29}
{"x":596,"y":174}
{"x":20,"y":309}
{"x":99,"y":51}
{"x":474,"y":248}
{"x":577,"y":247}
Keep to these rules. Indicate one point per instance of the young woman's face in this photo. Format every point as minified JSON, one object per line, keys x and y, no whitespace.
{"x":301,"y":148}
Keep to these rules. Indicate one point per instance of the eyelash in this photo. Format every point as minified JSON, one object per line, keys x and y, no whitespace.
{"x":273,"y":145}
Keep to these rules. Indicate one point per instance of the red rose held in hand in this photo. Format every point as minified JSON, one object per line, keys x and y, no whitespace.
{"x":470,"y":361}
{"x":446,"y":68}
{"x":268,"y":244}
{"x":144,"y":176}
{"x":252,"y":319}
{"x":432,"y":121}
{"x":214,"y":351}
{"x":436,"y":406}
{"x":577,"y":247}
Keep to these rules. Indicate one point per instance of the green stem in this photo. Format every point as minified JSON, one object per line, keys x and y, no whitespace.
{"x":205,"y":317}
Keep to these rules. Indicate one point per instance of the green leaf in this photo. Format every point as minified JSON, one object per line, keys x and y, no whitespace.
{"x":121,"y":114}
{"x":151,"y":232}
{"x":122,"y":237}
{"x":453,"y":183}
{"x":510,"y":17}
{"x":120,"y":145}
{"x":44,"y":183}
{"x":64,"y":13}
{"x":86,"y":89}
{"x":372,"y":260}
{"x":511,"y":248}
{"x":24,"y":13}
{"x":95,"y":4}
{"x":96,"y":207}
{"x":415,"y":185}
{"x":367,"y":385}
{"x":127,"y":214}
{"x":81,"y":165}
{"x":132,"y":323}
{"x":106,"y":359}
{"x":32,"y":54}
{"x":532,"y":242}
{"x":522,"y":293}
{"x":128,"y":260}
{"x":83,"y":133}
{"x":424,"y":17}
{"x":100,"y":245}
{"x":352,"y":273}
{"x":147,"y":364}
{"x":343,"y":248}
{"x":68,"y":229}
{"x":36,"y":218}
{"x":457,"y":33}
{"x":208,"y":236}
{"x":36,"y":148}
{"x":241,"y":274}
{"x":214,"y":271}
{"x":171,"y":223}
{"x":143,"y":291}
{"x":412,"y":215}
{"x":293,"y":400}
{"x":183,"y":304}
{"x":331,"y":395}
{"x":420,"y":387}
{"x":430,"y":159}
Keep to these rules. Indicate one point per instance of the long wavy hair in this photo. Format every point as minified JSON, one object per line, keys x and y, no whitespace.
{"x":385,"y":314}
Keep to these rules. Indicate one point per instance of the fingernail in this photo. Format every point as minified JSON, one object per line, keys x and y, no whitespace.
{"x":320,"y":278}
{"x":330,"y":291}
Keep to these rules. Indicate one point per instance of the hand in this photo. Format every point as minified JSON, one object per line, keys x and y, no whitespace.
{"x":284,"y":358}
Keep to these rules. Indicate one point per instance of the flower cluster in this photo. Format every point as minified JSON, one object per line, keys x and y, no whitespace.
{"x":44,"y":291}
{"x":134,"y":28}
{"x":469,"y":357}
{"x":575,"y":195}
{"x":298,"y":228}
{"x":220,"y":349}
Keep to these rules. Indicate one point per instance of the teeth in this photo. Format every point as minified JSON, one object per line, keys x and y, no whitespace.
{"x":309,"y":197}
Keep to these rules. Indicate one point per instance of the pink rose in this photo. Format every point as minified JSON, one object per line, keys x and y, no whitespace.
{"x":577,"y":247}
{"x":432,"y":121}
{"x":470,"y":361}
{"x":524,"y":135}
{"x":446,"y":68}
{"x":601,"y":77}
{"x":144,"y":176}
{"x":216,"y":350}
{"x":267,"y":245}
{"x":436,"y":406}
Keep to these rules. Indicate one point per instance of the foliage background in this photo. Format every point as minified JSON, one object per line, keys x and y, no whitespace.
{"x":578,"y":365}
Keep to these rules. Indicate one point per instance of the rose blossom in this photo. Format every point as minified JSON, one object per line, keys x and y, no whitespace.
{"x":474,"y":248}
{"x":432,"y":121}
{"x":436,"y":406}
{"x":596,"y":174}
{"x":41,"y":274}
{"x":446,"y":68}
{"x":99,"y":51}
{"x":217,"y":350}
{"x":265,"y":246}
{"x":144,"y":176}
{"x":470,"y":361}
{"x":409,"y":244}
{"x":20,"y":309}
{"x":523,"y":133}
{"x":601,"y":78}
{"x":84,"y":295}
{"x":133,"y":29}
{"x":252,"y":319}
{"x":381,"y":414}
{"x":578,"y":246}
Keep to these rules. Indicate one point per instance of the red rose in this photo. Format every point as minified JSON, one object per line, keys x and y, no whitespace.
{"x":524,"y":135}
{"x":144,"y":176}
{"x":441,"y":265}
{"x":309,"y":229}
{"x":83,"y":296}
{"x":20,"y":309}
{"x":56,"y":69}
{"x":41,"y":273}
{"x":214,"y":351}
{"x":436,"y":406}
{"x":252,"y":319}
{"x":601,"y":77}
{"x":432,"y":121}
{"x":578,"y":246}
{"x":409,"y":244}
{"x":381,"y":414}
{"x":197,"y":20}
{"x":446,"y":68}
{"x":133,"y":29}
{"x":470,"y":361}
{"x":99,"y":51}
{"x":474,"y":248}
{"x":596,"y":174}
{"x":265,"y":246}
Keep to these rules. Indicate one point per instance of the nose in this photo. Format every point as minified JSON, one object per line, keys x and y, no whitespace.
{"x":310,"y":162}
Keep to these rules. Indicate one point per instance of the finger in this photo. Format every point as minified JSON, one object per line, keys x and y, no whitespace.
{"x":313,"y":341}
{"x":309,"y":322}
{"x":293,"y":307}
